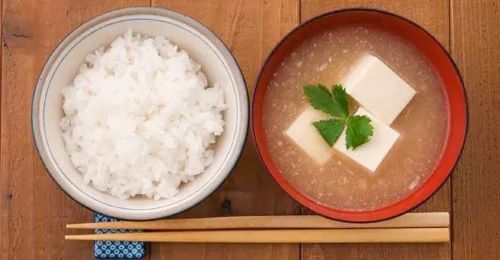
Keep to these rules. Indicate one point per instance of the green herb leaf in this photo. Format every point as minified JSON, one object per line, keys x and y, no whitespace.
{"x":359,"y":131}
{"x":320,"y":98}
{"x":340,"y":96}
{"x":330,"y":129}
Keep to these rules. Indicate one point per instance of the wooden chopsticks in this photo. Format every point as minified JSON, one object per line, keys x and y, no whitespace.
{"x":396,"y":235}
{"x":428,"y":227}
{"x":415,"y":220}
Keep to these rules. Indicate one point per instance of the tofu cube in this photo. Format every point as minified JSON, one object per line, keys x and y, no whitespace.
{"x":372,"y":153}
{"x":304,"y":135}
{"x":378,"y":89}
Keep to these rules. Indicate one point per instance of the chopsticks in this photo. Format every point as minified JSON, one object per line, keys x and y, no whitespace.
{"x":399,"y":235}
{"x":416,"y":220}
{"x":430,"y":227}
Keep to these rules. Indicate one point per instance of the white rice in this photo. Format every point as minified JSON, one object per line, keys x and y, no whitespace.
{"x":140,"y":118}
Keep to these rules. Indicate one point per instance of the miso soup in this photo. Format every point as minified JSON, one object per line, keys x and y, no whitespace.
{"x":341,"y":182}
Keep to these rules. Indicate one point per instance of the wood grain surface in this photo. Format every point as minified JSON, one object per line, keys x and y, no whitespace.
{"x":475,"y":45}
{"x":33,"y":211}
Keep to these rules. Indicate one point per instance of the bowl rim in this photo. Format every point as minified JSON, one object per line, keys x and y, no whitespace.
{"x":243,"y":111}
{"x":344,"y":215}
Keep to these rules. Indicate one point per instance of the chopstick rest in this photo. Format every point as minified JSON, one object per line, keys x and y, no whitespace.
{"x":116,"y":249}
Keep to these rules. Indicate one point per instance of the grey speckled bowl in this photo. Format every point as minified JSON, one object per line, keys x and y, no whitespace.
{"x":61,"y":67}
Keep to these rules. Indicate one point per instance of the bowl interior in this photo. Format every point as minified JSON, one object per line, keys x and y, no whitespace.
{"x":429,"y":48}
{"x":65,"y":65}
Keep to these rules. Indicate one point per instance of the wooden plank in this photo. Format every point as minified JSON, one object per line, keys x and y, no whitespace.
{"x":249,"y":29}
{"x":434,"y":16}
{"x":476,"y":200}
{"x":4,"y":197}
{"x":34,"y":209}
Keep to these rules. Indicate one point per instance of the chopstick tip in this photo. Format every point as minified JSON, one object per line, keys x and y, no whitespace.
{"x":81,"y":226}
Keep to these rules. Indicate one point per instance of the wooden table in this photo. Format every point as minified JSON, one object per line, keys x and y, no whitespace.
{"x":33,"y":210}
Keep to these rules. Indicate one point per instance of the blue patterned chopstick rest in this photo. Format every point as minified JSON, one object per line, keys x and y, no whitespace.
{"x":116,"y":249}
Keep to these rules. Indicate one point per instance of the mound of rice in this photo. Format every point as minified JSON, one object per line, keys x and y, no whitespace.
{"x":140,"y":118}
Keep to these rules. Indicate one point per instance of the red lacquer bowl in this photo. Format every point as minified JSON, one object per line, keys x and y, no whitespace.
{"x":429,"y":47}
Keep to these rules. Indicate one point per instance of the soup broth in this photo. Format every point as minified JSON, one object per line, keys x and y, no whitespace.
{"x":341,"y":182}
